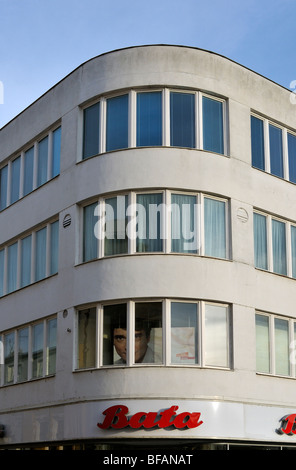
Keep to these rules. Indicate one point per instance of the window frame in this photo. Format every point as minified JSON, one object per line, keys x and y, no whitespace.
{"x":45,"y":353}
{"x":272,"y":344}
{"x":132,"y":119}
{"x":166,"y":224}
{"x":285,"y":131}
{"x":50,"y":167}
{"x":166,"y":334}
{"x":269,"y":243}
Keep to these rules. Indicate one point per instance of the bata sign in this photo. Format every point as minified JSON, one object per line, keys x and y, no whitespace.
{"x":116,"y":418}
{"x":288,"y":425}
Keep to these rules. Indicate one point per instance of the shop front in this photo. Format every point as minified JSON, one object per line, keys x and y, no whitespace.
{"x":151,"y":424}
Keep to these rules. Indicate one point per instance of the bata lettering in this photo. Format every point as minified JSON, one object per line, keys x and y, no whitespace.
{"x":288,"y":425}
{"x":116,"y":418}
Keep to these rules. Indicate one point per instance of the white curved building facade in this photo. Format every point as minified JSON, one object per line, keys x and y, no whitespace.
{"x":148,"y":200}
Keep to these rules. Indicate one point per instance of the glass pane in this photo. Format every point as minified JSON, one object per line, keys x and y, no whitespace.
{"x":262,"y":344}
{"x":26,"y":252}
{"x":9,"y":358}
{"x":281,"y":332}
{"x":86,"y":338}
{"x":23,"y":345}
{"x":184,"y":224}
{"x":51,"y":346}
{"x":184,"y":333}
{"x":276,"y":151}
{"x":149,"y":119}
{"x":90,"y":242}
{"x":56,"y":152}
{"x":148,"y":333}
{"x":91,"y":134}
{"x":115,"y":335}
{"x":216,"y":336}
{"x":28,"y":171}
{"x":42,"y":161}
{"x":149,"y":222}
{"x":15,"y":180}
{"x":279,"y":247}
{"x":12,"y":268}
{"x":257,"y":138}
{"x":182,"y":119}
{"x":116,"y":240}
{"x":117,"y":123}
{"x":292,"y":157}
{"x":215,"y":228}
{"x":260,"y":241}
{"x":54,"y":247}
{"x":40,"y":259}
{"x":3,"y":187}
{"x":37,"y":351}
{"x":293,"y":250}
{"x":1,"y":272}
{"x":213,"y":139}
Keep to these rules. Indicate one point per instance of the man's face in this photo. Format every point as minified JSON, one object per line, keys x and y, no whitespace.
{"x":141,"y":343}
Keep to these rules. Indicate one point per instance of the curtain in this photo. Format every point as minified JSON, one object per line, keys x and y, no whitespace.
{"x":3,"y":187}
{"x":1,"y":272}
{"x":182,"y":119}
{"x":260,"y":241}
{"x":214,"y":228}
{"x":40,"y":258}
{"x":213,"y":139}
{"x":276,"y":151}
{"x":262,"y":344}
{"x":184,"y":224}
{"x":149,"y":211}
{"x":26,"y":250}
{"x":281,"y":331}
{"x":216,"y":336}
{"x":149,"y":118}
{"x":279,"y":247}
{"x":15,"y":180}
{"x":12,"y":268}
{"x":257,"y":140}
{"x":90,"y":243}
{"x":293,"y":249}
{"x":56,"y":152}
{"x":117,"y":123}
{"x":54,"y":247}
{"x":116,"y":241}
{"x":42,"y":161}
{"x":28,"y":171}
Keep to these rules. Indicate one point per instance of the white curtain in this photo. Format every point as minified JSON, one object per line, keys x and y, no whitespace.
{"x":184,"y":224}
{"x":279,"y":247}
{"x":214,"y":228}
{"x":260,"y":241}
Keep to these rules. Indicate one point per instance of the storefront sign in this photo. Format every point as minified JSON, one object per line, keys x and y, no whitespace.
{"x":116,"y":418}
{"x":288,"y":425}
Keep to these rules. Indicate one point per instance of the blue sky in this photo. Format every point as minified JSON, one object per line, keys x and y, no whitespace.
{"x":41,"y":41}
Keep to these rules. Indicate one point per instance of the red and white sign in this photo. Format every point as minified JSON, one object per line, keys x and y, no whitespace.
{"x":116,"y":418}
{"x":288,"y":426}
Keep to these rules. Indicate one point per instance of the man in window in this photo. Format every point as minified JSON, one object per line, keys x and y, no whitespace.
{"x":143,"y":352}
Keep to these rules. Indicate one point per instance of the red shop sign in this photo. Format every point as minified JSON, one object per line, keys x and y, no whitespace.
{"x":288,"y":425}
{"x":116,"y":418}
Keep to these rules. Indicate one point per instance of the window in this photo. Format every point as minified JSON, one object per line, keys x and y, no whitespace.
{"x":30,"y":352}
{"x":149,"y":119}
{"x":3,"y":187}
{"x":182,"y":119}
{"x":257,"y":139}
{"x":273,"y":148}
{"x":15,"y":180}
{"x":117,"y":123}
{"x":274,"y":244}
{"x":274,"y":350}
{"x":134,"y":334}
{"x":154,"y":118}
{"x":16,"y":260}
{"x":156,"y":222}
{"x":31,"y":169}
{"x":213,"y":132}
{"x":91,"y":134}
{"x":149,"y":222}
{"x":42,"y":161}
